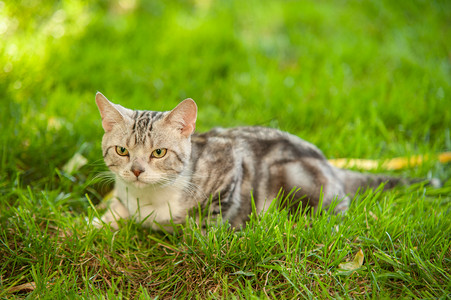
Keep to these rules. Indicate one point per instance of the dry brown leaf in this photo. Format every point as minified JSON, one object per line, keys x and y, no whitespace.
{"x":29,"y":286}
{"x":373,"y":216}
{"x":355,"y":264}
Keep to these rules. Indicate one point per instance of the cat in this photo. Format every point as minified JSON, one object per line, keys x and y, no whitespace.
{"x":164,"y":170}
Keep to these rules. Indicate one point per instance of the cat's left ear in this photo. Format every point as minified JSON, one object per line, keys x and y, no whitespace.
{"x":109,"y":112}
{"x":184,"y":116}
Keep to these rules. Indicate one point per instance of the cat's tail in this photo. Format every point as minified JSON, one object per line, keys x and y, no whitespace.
{"x":354,"y":180}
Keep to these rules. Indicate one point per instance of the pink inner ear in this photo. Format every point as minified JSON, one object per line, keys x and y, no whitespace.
{"x":184,"y":115}
{"x":110,"y":115}
{"x":188,"y":129}
{"x":107,"y":124}
{"x":190,"y":121}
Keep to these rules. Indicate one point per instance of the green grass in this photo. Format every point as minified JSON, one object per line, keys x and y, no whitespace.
{"x":364,"y":79}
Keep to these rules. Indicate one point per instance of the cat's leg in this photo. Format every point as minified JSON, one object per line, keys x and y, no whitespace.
{"x":116,"y":211}
{"x":313,"y":179}
{"x":343,"y":205}
{"x":334,"y":191}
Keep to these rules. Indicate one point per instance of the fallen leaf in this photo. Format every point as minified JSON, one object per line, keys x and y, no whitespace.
{"x":54,"y":123}
{"x":75,"y":163}
{"x":355,"y":264}
{"x":29,"y":286}
{"x":243,"y":273}
{"x":373,"y":216}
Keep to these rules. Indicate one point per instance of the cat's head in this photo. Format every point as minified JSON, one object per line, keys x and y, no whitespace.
{"x":145,"y":148}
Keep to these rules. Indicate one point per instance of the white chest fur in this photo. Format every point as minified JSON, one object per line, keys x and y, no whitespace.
{"x":151,"y":204}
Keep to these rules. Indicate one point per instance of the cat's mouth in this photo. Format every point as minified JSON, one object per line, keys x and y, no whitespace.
{"x":148,"y":181}
{"x":140,"y":184}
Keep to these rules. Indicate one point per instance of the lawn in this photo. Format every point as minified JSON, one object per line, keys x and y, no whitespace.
{"x":360,"y":79}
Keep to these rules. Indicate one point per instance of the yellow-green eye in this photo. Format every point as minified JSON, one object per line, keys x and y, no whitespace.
{"x":121,"y":151}
{"x":159,"y":153}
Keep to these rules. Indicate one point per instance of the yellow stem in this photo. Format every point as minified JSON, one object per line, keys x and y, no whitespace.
{"x":396,"y":163}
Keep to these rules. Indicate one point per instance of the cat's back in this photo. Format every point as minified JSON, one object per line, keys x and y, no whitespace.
{"x":260,"y":141}
{"x":233,"y":162}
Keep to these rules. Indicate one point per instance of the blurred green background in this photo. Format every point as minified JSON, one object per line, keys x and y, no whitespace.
{"x":363,"y":79}
{"x":369,"y":79}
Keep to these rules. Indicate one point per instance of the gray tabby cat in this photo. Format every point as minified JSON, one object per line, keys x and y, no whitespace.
{"x":163,"y":169}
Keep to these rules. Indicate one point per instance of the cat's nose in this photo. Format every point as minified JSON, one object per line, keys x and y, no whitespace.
{"x":137,"y":171}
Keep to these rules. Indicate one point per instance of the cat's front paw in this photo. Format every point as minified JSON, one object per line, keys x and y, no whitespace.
{"x":99,"y":223}
{"x":96,"y":222}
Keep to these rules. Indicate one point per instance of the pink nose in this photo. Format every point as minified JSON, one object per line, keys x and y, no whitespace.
{"x":137,"y":172}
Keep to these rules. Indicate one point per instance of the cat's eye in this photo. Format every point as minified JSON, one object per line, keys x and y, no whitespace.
{"x":159,"y":153}
{"x":121,"y":151}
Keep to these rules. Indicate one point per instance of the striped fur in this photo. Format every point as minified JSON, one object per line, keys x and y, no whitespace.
{"x":219,"y":170}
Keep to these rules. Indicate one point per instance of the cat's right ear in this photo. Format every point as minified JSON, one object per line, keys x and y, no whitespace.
{"x":110,"y":115}
{"x":184,"y":117}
